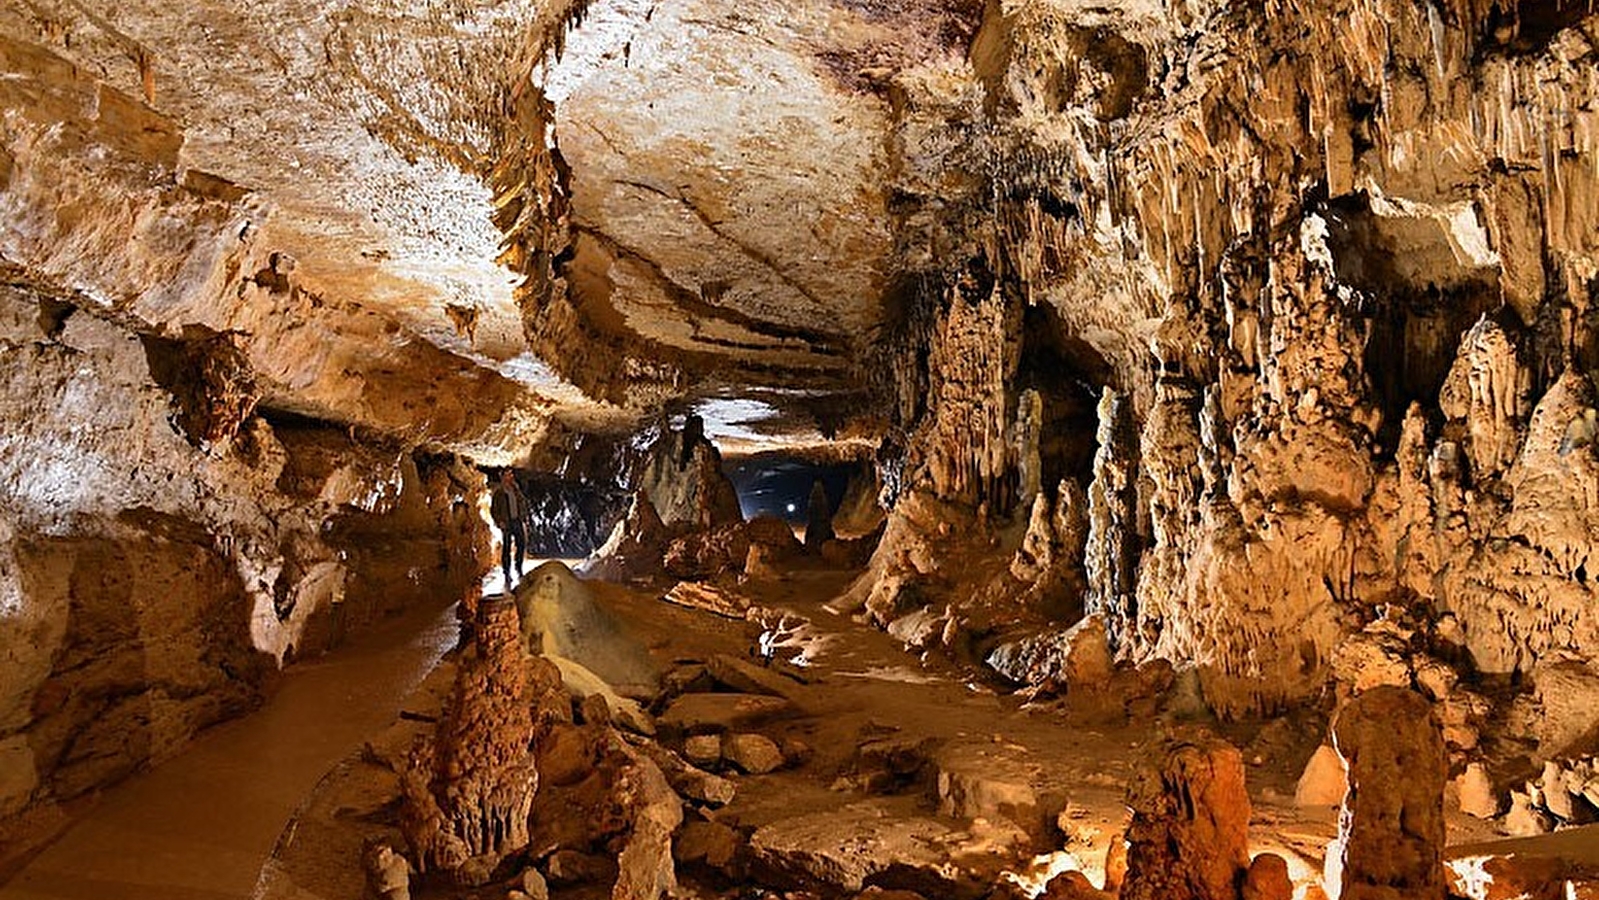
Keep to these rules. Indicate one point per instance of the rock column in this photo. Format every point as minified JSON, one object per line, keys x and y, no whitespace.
{"x":1111,"y":557}
{"x":1391,"y":831}
{"x":1188,"y":839}
{"x":468,"y":790}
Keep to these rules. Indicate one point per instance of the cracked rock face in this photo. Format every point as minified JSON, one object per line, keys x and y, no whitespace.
{"x":710,"y":214}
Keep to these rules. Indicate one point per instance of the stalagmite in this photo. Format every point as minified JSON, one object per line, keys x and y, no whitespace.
{"x":1486,"y":388}
{"x":469,"y":789}
{"x":818,"y":518}
{"x":1189,"y":835}
{"x":1112,"y":528}
{"x":1391,"y":830}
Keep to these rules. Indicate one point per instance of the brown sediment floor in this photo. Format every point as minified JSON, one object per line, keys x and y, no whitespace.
{"x":201,"y":825}
{"x":276,"y":806}
{"x":994,"y":771}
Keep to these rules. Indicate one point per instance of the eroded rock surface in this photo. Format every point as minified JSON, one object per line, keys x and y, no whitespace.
{"x":1189,"y":836}
{"x":1391,"y":831}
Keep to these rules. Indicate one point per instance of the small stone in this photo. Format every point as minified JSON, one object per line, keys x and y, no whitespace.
{"x":593,"y":710}
{"x":568,"y":867}
{"x":1323,"y":782}
{"x":1435,"y":679}
{"x":1556,"y":795}
{"x":708,"y":843}
{"x":748,"y":678}
{"x":1072,"y":886}
{"x":1476,"y":792}
{"x":796,"y":752}
{"x":534,"y":885}
{"x":1525,"y":819}
{"x":703,"y":750}
{"x":755,"y":754}
{"x":388,"y":873}
{"x":1267,"y":879}
{"x":566,"y":755}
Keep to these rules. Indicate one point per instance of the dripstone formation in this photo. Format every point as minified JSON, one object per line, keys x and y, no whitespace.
{"x":1189,"y":837}
{"x":1391,"y":830}
{"x":469,"y":789}
{"x":1213,"y":359}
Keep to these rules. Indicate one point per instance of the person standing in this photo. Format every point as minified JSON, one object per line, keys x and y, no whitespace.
{"x":508,"y":507}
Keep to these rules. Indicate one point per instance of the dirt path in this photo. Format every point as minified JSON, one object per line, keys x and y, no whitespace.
{"x":200,"y":826}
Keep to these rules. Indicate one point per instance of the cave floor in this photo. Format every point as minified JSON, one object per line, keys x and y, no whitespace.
{"x":200,"y":825}
{"x":990,"y":781}
{"x":978,"y":776}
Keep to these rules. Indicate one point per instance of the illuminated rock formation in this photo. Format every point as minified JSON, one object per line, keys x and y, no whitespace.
{"x":1391,"y":830}
{"x":469,"y":788}
{"x":1189,"y":834}
{"x":1262,"y":335}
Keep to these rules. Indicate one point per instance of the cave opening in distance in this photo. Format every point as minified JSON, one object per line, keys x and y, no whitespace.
{"x":1067,"y":374}
{"x":779,"y":484}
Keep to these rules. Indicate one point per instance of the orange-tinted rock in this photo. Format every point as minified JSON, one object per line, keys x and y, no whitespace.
{"x":1391,"y":831}
{"x":1073,"y":886}
{"x":469,"y":788}
{"x":1188,"y":839}
{"x":1267,"y":879}
{"x":1116,"y":863}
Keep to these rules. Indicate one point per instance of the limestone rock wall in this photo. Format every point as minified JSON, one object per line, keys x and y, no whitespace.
{"x":1339,"y":264}
{"x":154,"y":576}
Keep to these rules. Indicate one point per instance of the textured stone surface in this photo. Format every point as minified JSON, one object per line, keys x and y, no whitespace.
{"x":755,"y":754}
{"x":1391,"y":830}
{"x":1267,"y":879}
{"x":841,"y":849}
{"x":1324,"y":782}
{"x":468,"y":789}
{"x":156,"y":568}
{"x":1189,"y":833}
{"x":703,"y":713}
{"x":1327,"y":270}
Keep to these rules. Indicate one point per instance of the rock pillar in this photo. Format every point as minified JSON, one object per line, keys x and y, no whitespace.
{"x":1188,"y":839}
{"x":1391,"y":831}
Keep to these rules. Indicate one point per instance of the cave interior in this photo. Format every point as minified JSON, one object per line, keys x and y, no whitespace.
{"x":976,"y":449}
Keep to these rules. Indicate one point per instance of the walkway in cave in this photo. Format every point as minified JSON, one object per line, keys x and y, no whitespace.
{"x":200,"y":826}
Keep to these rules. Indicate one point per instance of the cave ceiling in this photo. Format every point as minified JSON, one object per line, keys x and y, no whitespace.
{"x":729,"y":174}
